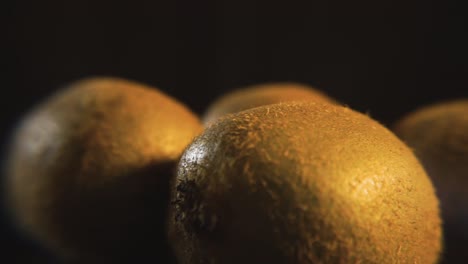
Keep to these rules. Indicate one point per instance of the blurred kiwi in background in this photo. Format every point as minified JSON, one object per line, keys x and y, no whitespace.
{"x":88,"y":170}
{"x":262,"y":94}
{"x":438,"y":134}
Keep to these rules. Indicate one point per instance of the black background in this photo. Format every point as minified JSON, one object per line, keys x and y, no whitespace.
{"x":381,"y":57}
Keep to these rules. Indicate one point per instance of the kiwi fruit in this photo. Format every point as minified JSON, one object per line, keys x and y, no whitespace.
{"x":262,"y":94}
{"x":88,"y":170}
{"x":302,"y":182}
{"x":438,"y":134}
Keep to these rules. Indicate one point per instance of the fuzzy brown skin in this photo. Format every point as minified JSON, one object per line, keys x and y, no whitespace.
{"x":89,"y":170}
{"x":439,"y":136}
{"x":259,"y":95}
{"x":302,"y":183}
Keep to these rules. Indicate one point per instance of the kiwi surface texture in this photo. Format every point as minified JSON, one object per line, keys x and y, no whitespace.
{"x":302,"y":183}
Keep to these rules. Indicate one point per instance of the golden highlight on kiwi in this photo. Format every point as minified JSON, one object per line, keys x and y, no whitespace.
{"x":263,"y":94}
{"x":302,"y":183}
{"x":89,"y":169}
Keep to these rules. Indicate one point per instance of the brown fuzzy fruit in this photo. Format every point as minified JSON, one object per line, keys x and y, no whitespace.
{"x":258,"y":95}
{"x":89,"y":170}
{"x":439,"y":136}
{"x":302,"y":183}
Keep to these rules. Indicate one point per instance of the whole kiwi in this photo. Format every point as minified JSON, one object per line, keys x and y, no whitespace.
{"x":88,"y":170}
{"x":262,"y":94}
{"x":302,"y":182}
{"x":438,"y":134}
